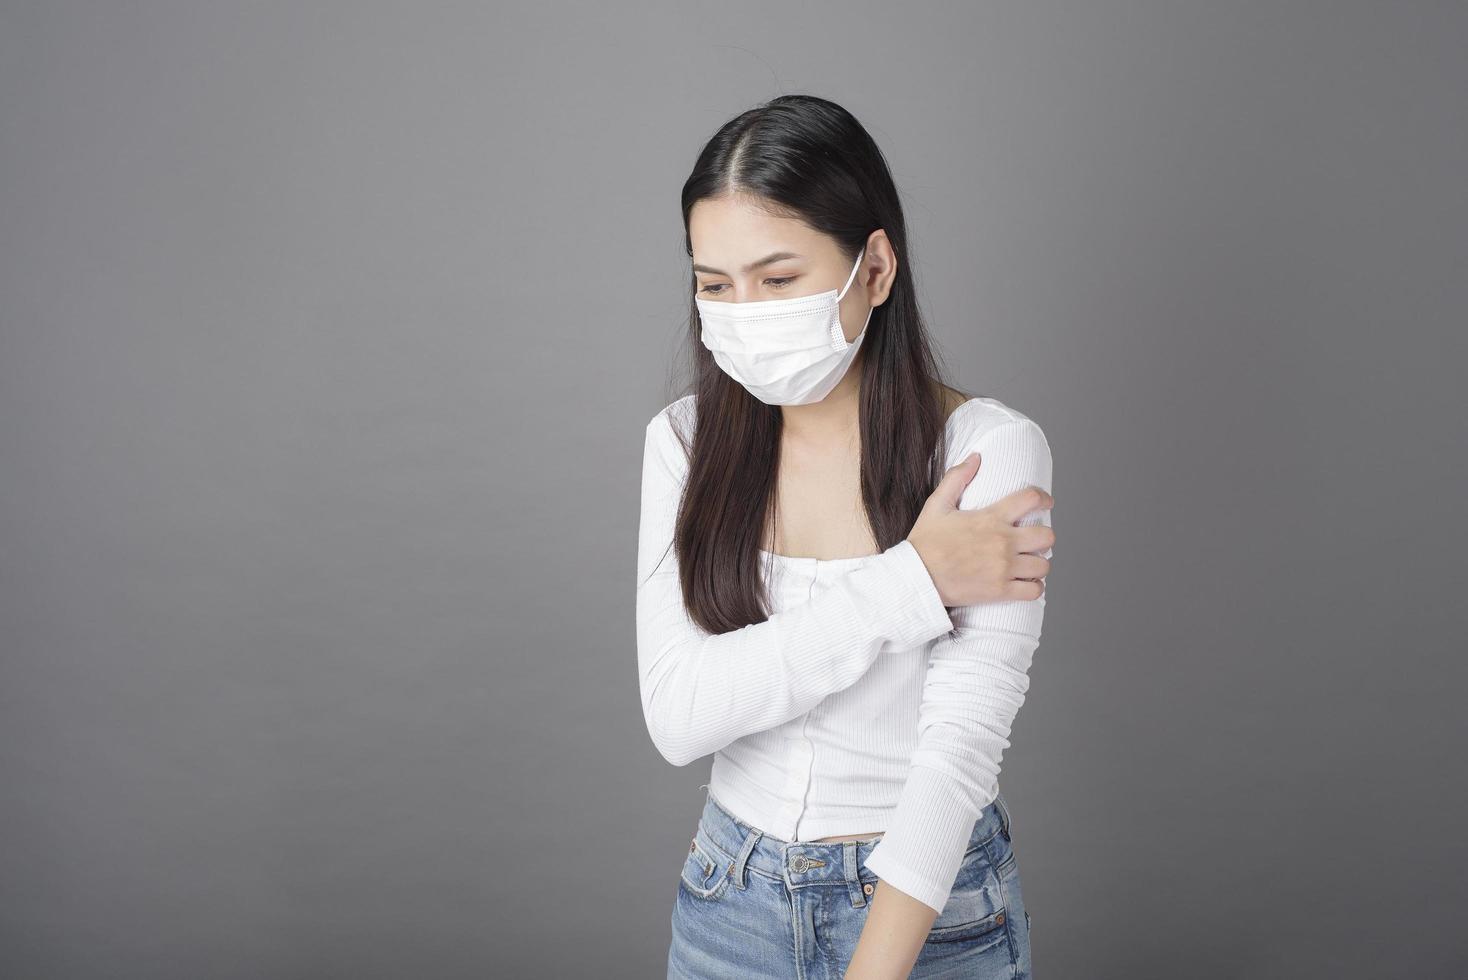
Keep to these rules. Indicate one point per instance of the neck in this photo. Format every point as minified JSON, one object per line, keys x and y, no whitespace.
{"x":834,"y":416}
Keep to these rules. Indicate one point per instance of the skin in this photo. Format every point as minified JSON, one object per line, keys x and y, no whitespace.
{"x":972,"y":556}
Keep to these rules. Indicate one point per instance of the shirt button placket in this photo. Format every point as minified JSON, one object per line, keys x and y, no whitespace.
{"x":800,"y":752}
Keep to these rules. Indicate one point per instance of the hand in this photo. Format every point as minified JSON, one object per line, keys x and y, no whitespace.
{"x":980,"y":555}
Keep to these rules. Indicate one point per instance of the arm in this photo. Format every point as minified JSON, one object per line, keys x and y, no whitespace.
{"x":976,"y":681}
{"x":701,"y":691}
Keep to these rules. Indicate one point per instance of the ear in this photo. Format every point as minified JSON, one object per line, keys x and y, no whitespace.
{"x":878,"y":268}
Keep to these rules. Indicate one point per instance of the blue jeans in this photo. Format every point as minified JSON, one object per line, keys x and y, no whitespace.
{"x":754,"y":907}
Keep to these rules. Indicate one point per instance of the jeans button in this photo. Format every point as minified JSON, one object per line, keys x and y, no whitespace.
{"x":800,"y":864}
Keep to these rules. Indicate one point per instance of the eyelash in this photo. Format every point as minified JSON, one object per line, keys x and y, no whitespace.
{"x":777,"y":283}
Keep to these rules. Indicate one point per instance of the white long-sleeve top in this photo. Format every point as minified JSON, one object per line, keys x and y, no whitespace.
{"x":861,"y":705}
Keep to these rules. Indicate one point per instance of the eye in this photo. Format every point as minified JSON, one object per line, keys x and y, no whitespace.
{"x":716,"y":289}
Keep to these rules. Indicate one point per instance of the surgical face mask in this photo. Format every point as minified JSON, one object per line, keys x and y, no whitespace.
{"x":784,"y":351}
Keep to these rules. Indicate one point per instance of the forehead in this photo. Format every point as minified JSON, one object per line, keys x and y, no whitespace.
{"x":728,"y":232}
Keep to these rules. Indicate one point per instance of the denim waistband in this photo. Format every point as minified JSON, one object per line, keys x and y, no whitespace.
{"x":803,"y":863}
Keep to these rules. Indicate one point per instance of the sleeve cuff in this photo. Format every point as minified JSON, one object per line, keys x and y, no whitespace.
{"x":921,"y":615}
{"x":923,"y":846}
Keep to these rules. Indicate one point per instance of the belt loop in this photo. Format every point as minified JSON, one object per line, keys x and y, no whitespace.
{"x":853,"y":879}
{"x":1003,"y":815}
{"x":736,"y":870}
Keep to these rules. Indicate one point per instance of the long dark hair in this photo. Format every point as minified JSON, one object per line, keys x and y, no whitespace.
{"x":806,"y":157}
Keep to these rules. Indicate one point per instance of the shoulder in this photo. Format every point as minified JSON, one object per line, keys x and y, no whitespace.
{"x":669,"y":432}
{"x":978,"y":416}
{"x":673,"y":424}
{"x":679,"y":414}
{"x":988,"y":422}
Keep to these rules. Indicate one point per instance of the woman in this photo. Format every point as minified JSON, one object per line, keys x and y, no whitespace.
{"x":840,"y":583}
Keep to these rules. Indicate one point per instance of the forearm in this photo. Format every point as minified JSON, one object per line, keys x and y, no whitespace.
{"x":700,"y":691}
{"x":897,"y":925}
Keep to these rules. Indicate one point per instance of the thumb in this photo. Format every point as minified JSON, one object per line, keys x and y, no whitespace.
{"x":950,"y":489}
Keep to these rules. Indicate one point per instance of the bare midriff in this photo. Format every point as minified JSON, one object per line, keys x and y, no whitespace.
{"x":838,"y":840}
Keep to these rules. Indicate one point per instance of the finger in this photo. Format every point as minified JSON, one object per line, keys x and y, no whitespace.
{"x":1029,"y":566}
{"x":1023,"y":502}
{"x":950,"y":488}
{"x":1024,"y":589}
{"x":1034,"y":538}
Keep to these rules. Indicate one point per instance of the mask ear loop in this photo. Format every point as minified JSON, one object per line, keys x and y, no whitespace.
{"x":851,"y":277}
{"x":838,"y":337}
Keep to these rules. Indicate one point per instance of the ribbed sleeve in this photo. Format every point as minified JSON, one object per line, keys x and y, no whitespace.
{"x":976,"y":681}
{"x":701,"y":691}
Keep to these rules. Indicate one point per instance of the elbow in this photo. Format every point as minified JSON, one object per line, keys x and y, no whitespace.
{"x":669,"y":705}
{"x":676,"y":756}
{"x":675,"y":752}
{"x":672,"y":743}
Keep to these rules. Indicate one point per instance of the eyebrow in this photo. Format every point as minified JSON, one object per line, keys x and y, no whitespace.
{"x":772,"y":257}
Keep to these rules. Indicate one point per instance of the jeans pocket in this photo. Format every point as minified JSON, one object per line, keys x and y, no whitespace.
{"x":975,"y":906}
{"x":705,"y":873}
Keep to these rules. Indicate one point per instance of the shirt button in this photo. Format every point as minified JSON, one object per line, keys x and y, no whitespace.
{"x":867,"y":888}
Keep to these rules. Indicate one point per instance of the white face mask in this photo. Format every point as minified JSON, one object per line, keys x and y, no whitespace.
{"x":785,"y":351}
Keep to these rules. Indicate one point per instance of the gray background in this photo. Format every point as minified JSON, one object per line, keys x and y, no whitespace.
{"x":327,"y":338}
